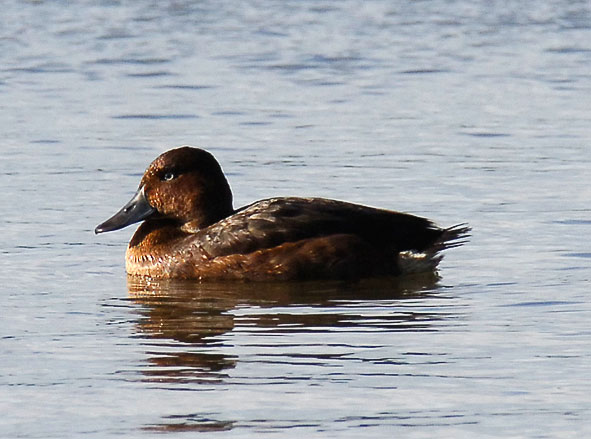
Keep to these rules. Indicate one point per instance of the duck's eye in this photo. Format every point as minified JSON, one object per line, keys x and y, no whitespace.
{"x":169,"y":176}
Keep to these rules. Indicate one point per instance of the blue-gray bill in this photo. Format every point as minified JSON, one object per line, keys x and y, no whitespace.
{"x":136,"y":210}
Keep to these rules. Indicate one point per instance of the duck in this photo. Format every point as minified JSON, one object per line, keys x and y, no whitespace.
{"x":190,"y":230}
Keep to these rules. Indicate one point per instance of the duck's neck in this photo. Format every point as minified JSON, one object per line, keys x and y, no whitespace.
{"x":153,"y":234}
{"x":206,"y":219}
{"x":153,"y":244}
{"x":217,"y":201}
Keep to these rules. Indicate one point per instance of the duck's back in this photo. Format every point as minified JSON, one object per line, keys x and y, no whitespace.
{"x":272,"y":222}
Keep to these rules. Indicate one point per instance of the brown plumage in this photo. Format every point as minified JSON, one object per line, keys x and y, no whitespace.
{"x":191,"y":230}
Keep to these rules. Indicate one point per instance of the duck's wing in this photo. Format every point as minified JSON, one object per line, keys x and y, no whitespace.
{"x":276,"y":221}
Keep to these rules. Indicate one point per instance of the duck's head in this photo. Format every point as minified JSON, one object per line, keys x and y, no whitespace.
{"x":185,"y":185}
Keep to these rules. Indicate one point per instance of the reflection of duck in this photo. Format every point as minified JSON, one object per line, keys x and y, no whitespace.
{"x":191,"y":230}
{"x":198,"y":314}
{"x":193,"y":344}
{"x":191,"y":319}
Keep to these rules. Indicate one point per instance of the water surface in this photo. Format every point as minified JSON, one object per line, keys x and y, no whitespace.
{"x":458,"y":111}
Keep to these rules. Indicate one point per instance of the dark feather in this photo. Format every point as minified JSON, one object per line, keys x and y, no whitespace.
{"x":275,"y":221}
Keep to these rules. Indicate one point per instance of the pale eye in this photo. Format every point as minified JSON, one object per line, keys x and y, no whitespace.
{"x":169,"y":176}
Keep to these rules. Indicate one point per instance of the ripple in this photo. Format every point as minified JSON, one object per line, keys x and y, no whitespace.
{"x":155,"y":116}
{"x":111,"y":61}
{"x":423,"y":71}
{"x":185,"y":86}
{"x":148,"y":74}
{"x":578,"y":255}
{"x":568,"y":50}
{"x":42,"y":68}
{"x":487,"y":134}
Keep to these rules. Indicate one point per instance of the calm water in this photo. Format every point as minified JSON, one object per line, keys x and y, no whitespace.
{"x":455,"y":110}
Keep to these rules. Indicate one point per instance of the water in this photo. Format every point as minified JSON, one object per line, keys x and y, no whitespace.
{"x":459,"y":111}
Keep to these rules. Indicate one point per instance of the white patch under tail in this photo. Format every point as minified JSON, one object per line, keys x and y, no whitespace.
{"x":411,"y":261}
{"x":418,"y":262}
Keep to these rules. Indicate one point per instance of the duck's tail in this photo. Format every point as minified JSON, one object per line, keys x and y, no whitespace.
{"x":451,"y":237}
{"x":427,"y":260}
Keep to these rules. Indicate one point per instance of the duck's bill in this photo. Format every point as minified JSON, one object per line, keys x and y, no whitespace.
{"x":136,"y":210}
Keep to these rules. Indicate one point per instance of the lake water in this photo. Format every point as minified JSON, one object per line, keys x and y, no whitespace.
{"x":459,"y":111}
